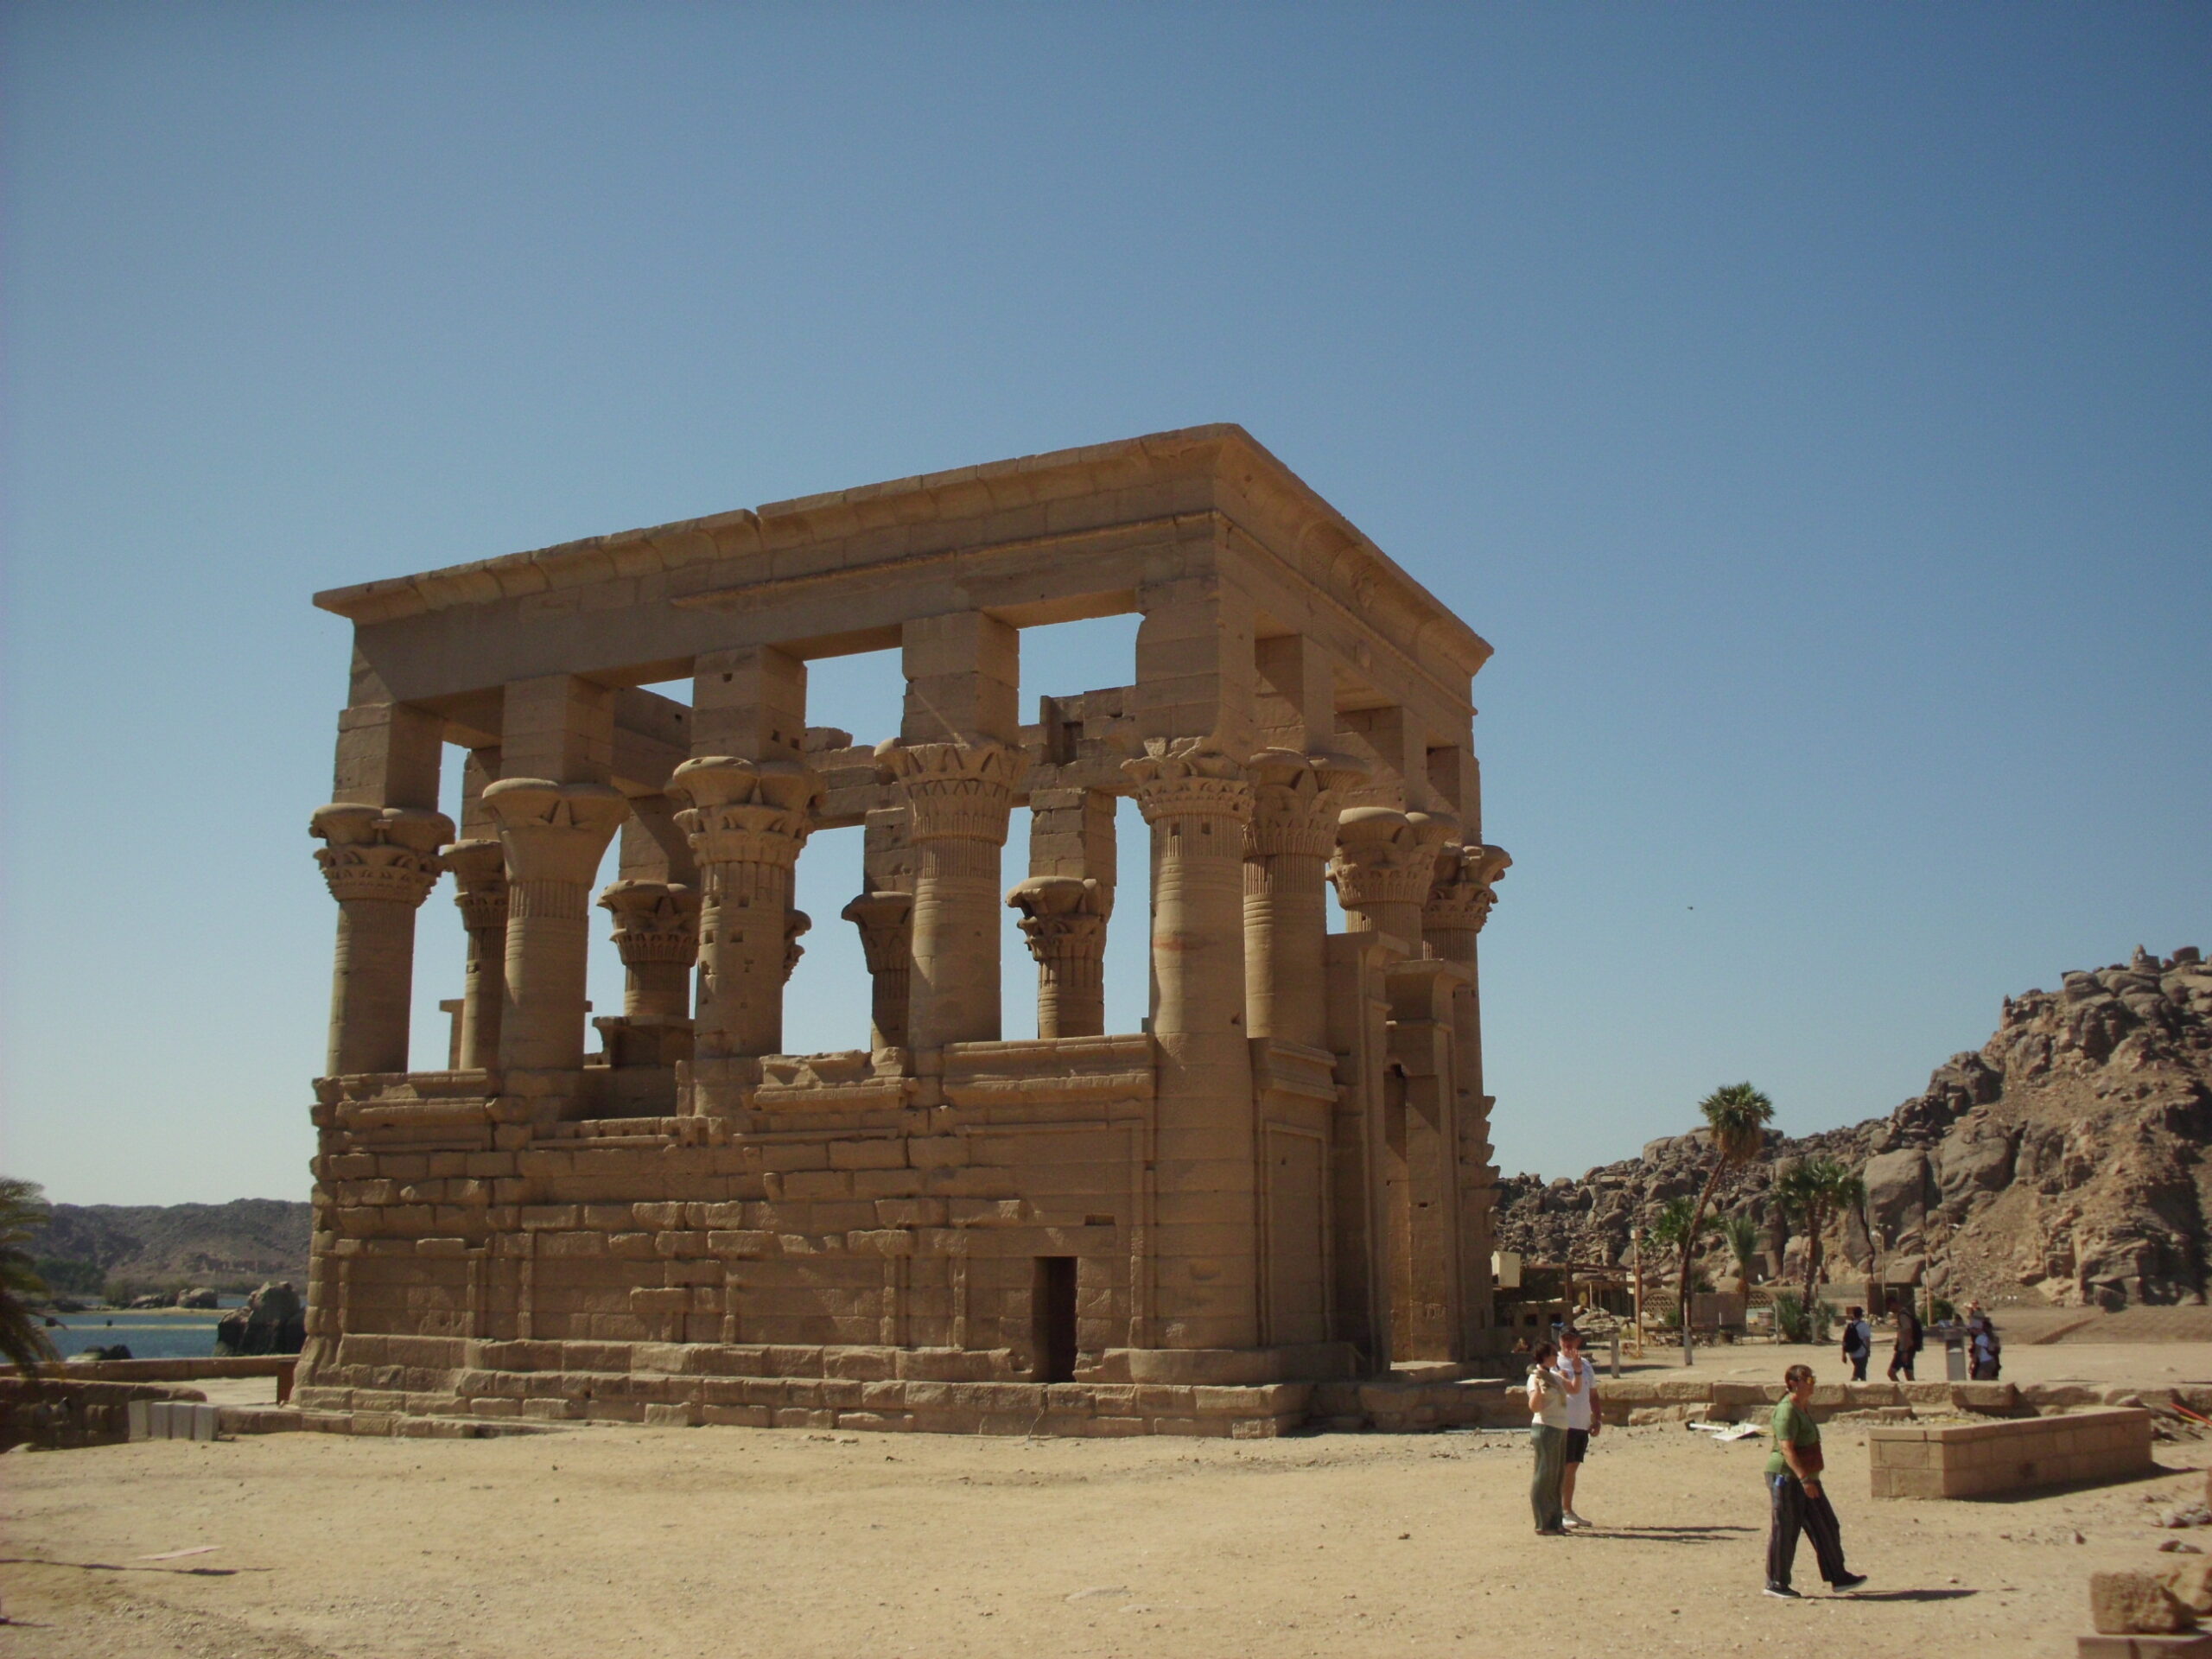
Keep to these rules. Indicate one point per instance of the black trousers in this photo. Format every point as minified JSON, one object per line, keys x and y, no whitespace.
{"x":1794,"y":1511}
{"x":1858,"y":1368}
{"x":1901,"y":1360}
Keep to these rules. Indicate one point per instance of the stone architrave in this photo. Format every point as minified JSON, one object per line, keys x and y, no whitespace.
{"x":480,"y":875}
{"x":1287,"y":847}
{"x":958,"y":796}
{"x":745,"y":820}
{"x":1197,"y":801}
{"x":1064,"y":919}
{"x":554,"y":835}
{"x":1384,"y":865}
{"x":381,"y":862}
{"x":886,"y":923}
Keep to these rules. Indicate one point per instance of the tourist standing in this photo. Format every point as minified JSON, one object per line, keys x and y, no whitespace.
{"x":1580,"y":1378}
{"x":1858,"y":1342}
{"x":1907,"y":1347}
{"x":1983,"y":1350}
{"x":1798,"y":1502}
{"x":1548,"y":1430}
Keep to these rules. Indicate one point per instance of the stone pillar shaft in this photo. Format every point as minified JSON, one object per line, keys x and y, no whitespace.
{"x":380,"y":863}
{"x":958,"y":796}
{"x":746,"y":821}
{"x":1065,"y":922}
{"x":657,"y":931}
{"x":480,"y":873}
{"x":553,"y":835}
{"x":1197,"y":801}
{"x":1285,"y":909}
{"x":886,"y":925}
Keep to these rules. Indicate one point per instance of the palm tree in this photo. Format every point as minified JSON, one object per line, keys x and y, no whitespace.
{"x":1741,"y":1235}
{"x":1670,"y":1230}
{"x":23,"y":1213}
{"x":1813,"y":1189}
{"x":1736,"y":1115}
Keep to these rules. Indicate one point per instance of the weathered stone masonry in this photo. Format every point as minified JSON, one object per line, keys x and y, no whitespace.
{"x":1282,"y":1180}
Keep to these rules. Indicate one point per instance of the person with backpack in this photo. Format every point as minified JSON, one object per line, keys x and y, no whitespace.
{"x":1857,"y":1343}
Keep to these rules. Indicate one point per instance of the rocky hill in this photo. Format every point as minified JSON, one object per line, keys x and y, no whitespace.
{"x":226,"y":1246}
{"x":2068,"y":1160}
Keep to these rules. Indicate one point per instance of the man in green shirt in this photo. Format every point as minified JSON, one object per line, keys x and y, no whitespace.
{"x":1800,"y":1503}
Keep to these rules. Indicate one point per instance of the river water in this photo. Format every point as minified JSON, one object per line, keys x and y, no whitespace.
{"x":181,"y":1333}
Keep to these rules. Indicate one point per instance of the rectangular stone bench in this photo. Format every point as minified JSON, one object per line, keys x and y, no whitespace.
{"x":1976,"y":1459}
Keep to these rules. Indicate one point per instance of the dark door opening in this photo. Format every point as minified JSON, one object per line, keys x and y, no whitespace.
{"x":1054,"y":1305}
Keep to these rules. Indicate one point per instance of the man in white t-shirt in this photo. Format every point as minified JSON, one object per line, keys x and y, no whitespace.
{"x":1584,"y":1418}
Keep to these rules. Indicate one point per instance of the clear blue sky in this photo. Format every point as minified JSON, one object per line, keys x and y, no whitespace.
{"x":1810,"y":403}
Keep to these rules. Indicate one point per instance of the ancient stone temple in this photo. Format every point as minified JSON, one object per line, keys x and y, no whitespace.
{"x":1283,"y":1178}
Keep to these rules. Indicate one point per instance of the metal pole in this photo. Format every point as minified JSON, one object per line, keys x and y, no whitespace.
{"x":1636,"y":1251}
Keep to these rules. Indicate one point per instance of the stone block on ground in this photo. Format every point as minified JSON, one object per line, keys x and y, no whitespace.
{"x":2128,"y":1603}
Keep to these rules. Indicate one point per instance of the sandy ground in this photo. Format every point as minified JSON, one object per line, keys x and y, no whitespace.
{"x":610,"y":1541}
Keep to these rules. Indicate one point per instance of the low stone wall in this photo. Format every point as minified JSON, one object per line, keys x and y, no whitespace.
{"x":59,"y":1414}
{"x":171,"y":1370}
{"x":664,"y":1400}
{"x":956,"y":1391}
{"x":1976,"y":1460}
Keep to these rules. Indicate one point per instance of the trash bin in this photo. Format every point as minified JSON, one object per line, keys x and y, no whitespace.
{"x":1954,"y":1358}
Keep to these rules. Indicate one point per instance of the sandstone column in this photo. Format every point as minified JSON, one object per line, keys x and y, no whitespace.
{"x":1197,"y":801}
{"x":554,"y":835}
{"x":1462,"y":890}
{"x":955,"y":759}
{"x":1292,"y":834}
{"x":656,"y":933}
{"x":886,"y":925}
{"x":1066,"y":904}
{"x":1384,"y":863}
{"x":1459,"y":904}
{"x":480,"y":875}
{"x":1063,"y":918}
{"x":381,"y":862}
{"x":959,"y":795}
{"x":746,"y":821}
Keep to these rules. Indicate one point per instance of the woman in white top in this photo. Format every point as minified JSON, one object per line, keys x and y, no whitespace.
{"x":1547,"y":1407}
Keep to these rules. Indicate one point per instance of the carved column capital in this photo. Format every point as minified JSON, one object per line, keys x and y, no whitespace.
{"x":796,"y":922}
{"x":379,"y":852}
{"x":744,"y":811}
{"x":885,"y":921}
{"x":654,"y":921}
{"x":1465,"y":887}
{"x":553,"y":831}
{"x":1062,"y":916}
{"x":955,"y":791}
{"x":480,"y":879}
{"x":1295,"y":798}
{"x":1189,"y":777}
{"x":1384,"y":858}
